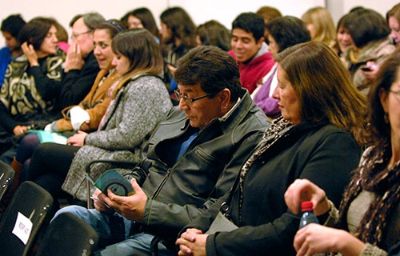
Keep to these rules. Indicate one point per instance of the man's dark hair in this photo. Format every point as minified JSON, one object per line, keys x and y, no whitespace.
{"x":365,"y":25}
{"x":212,"y":68}
{"x":13,"y":24}
{"x":250,"y":22}
{"x":288,"y":31}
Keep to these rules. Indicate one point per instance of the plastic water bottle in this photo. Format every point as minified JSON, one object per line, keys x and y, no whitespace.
{"x":307,"y":215}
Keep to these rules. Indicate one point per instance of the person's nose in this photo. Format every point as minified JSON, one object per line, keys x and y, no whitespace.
{"x":183,"y":105}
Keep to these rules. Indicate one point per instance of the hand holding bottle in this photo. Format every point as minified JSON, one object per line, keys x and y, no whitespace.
{"x":304,"y":190}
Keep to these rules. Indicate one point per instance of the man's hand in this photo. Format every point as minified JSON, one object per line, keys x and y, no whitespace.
{"x":131,"y":207}
{"x":74,"y":58}
{"x":99,"y":204}
{"x":192,"y":242}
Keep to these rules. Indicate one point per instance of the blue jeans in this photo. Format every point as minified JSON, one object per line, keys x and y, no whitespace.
{"x":134,"y":244}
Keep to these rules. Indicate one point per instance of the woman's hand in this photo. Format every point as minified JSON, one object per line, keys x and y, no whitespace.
{"x":30,"y":54}
{"x":77,"y":140}
{"x":314,"y":238}
{"x":20,"y":129}
{"x":370,"y":70}
{"x":304,"y":190}
{"x":192,"y":242}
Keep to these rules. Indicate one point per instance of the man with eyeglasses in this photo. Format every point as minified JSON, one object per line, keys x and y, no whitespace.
{"x":196,"y":154}
{"x":80,"y":66}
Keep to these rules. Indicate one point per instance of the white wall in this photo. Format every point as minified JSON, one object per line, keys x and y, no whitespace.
{"x":200,"y":10}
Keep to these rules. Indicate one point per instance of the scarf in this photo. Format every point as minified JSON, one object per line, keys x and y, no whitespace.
{"x":374,"y":175}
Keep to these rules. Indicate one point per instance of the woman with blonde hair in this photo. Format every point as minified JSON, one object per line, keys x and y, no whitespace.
{"x":320,"y":24}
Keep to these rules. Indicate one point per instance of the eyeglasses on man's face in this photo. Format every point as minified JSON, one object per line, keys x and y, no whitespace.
{"x":187,"y":99}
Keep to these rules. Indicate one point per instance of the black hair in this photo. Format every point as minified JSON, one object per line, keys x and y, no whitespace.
{"x":13,"y":24}
{"x":365,"y":25}
{"x":180,"y":24}
{"x":146,"y":18}
{"x":250,"y":22}
{"x":35,"y":31}
{"x":288,"y":31}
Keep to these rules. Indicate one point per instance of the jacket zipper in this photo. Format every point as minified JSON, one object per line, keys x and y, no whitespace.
{"x":161,"y":184}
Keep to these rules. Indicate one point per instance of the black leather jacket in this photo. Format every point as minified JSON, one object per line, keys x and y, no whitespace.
{"x":206,"y":171}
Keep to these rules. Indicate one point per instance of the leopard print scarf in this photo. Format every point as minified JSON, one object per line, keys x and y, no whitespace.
{"x":373,"y":175}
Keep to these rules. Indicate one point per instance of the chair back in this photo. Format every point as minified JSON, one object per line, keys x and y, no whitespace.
{"x":6,"y":177}
{"x":28,"y":210}
{"x":67,"y":235}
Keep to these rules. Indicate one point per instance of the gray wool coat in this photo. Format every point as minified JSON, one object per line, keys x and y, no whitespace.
{"x":128,"y":121}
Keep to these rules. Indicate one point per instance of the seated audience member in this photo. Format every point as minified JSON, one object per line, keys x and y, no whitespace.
{"x":29,"y":92}
{"x":80,"y":66}
{"x":282,"y":32}
{"x":368,"y":216}
{"x":195,"y":155}
{"x":213,"y":33}
{"x":320,"y":24}
{"x":249,"y":49}
{"x":369,"y":32}
{"x":268,"y":13}
{"x":393,"y":21}
{"x":344,"y":45}
{"x":314,"y":139}
{"x":10,"y":28}
{"x":139,"y":102}
{"x":87,"y":115}
{"x":141,"y":18}
{"x":178,"y":36}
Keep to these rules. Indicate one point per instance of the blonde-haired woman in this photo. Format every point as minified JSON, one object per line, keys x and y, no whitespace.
{"x":320,"y":24}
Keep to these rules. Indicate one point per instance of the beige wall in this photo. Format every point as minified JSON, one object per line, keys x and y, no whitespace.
{"x":200,"y":10}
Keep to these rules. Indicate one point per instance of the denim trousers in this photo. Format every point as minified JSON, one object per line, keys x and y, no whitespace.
{"x":131,"y":244}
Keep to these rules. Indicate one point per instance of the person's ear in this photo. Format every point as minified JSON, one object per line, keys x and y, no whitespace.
{"x":225,"y":96}
{"x":260,"y":42}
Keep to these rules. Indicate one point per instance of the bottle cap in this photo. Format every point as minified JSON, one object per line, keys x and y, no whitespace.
{"x":307,"y":206}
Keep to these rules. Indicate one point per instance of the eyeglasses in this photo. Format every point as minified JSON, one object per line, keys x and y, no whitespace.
{"x":188,"y":100}
{"x":76,"y":35}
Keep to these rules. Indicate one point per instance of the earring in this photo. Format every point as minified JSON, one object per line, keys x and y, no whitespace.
{"x":386,"y":118}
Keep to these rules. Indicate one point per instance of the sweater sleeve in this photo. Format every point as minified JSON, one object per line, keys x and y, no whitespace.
{"x":48,"y":82}
{"x":329,"y":166}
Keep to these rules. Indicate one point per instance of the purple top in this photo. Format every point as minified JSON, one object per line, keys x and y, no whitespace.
{"x":264,"y":100}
